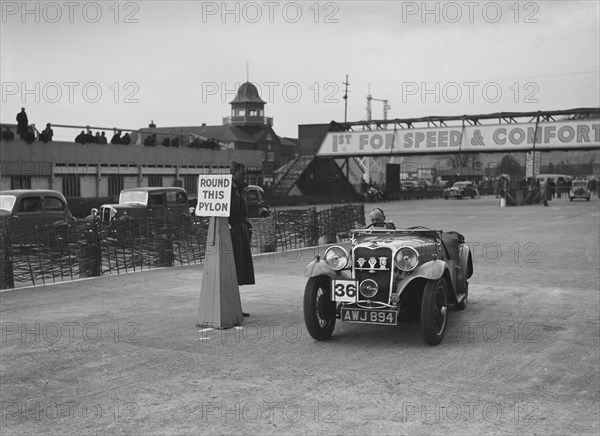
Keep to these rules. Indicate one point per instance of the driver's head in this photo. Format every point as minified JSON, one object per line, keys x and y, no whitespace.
{"x":377,"y":216}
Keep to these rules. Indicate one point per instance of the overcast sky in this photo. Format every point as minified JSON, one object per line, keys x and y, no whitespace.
{"x":179,"y":63}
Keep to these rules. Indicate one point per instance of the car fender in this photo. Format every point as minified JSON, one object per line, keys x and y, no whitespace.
{"x":431,"y":271}
{"x":320,"y":268}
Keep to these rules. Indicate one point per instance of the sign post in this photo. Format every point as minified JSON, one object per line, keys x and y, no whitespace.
{"x":220,"y":305}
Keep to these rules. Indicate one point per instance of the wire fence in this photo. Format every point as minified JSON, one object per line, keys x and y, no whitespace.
{"x":67,"y":252}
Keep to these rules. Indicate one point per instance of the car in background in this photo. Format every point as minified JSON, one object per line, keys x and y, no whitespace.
{"x":156,"y":202}
{"x":460,"y":190}
{"x":26,"y":210}
{"x":580,"y":189}
{"x":257,"y":204}
{"x":411,"y":185}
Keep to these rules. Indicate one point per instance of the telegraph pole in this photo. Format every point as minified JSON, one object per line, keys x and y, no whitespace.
{"x":346,"y":99}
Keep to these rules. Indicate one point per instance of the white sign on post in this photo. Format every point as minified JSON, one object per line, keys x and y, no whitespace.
{"x":214,"y":194}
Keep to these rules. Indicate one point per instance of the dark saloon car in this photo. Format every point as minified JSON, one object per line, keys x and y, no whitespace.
{"x":580,"y":189}
{"x":25,"y":210}
{"x":257,"y":205}
{"x":461,"y":190}
{"x":158,"y":203}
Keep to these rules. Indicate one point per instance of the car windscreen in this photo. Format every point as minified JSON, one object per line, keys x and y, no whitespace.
{"x":7,"y":202}
{"x":582,"y":184}
{"x":139,"y":197}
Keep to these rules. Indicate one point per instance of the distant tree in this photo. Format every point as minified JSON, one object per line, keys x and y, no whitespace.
{"x":509,"y":165}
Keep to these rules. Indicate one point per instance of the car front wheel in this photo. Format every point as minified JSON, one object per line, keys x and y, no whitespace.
{"x":434,"y":311}
{"x":319,"y":310}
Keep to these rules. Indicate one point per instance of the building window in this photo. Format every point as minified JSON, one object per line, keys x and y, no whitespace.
{"x":115,"y":184}
{"x":190,"y":184}
{"x":20,"y":182}
{"x":270,"y":156}
{"x":155,"y":181}
{"x":71,"y":186}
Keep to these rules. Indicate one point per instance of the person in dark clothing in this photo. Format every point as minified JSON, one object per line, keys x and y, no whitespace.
{"x":80,"y":139}
{"x":103,"y":139}
{"x":22,"y":123}
{"x":47,"y":134}
{"x":29,"y":136}
{"x":116,"y":139}
{"x":8,"y":135}
{"x":126,"y":139}
{"x":546,"y":192}
{"x":240,"y":227}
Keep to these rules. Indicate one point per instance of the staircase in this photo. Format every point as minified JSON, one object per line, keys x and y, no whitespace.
{"x":291,"y":176}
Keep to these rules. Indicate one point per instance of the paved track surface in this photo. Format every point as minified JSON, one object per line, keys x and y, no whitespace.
{"x":122,"y":355}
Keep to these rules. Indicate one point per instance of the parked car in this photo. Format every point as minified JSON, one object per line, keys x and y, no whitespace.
{"x":257,"y":205}
{"x":580,"y":189}
{"x":24,"y":210}
{"x":460,"y":190}
{"x":411,"y":185}
{"x":156,"y":202}
{"x":386,"y":274}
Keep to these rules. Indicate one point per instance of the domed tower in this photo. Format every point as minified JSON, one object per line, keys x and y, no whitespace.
{"x":247,"y":108}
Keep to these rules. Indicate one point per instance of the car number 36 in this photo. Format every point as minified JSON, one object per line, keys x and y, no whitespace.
{"x":344,"y":290}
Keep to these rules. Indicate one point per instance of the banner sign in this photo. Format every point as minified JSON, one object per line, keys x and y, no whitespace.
{"x":214,"y":195}
{"x":577,"y":134}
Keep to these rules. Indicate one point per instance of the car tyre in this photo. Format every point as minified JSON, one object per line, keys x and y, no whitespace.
{"x":434,"y":311}
{"x":319,"y":310}
{"x":570,"y":198}
{"x":445,"y":197}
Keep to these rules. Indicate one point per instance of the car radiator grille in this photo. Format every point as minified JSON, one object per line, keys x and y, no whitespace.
{"x":375,"y":264}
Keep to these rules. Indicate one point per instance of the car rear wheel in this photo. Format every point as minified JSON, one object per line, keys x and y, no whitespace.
{"x":570,"y":198}
{"x":445,"y":197}
{"x":434,"y":311}
{"x":319,"y":310}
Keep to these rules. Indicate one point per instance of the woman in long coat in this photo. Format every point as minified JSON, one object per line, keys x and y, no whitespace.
{"x":240,"y":227}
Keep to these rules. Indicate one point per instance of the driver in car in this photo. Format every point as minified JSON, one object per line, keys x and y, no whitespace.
{"x":378,"y":219}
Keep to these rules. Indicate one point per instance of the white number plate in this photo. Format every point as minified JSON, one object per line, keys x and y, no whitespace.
{"x":387,"y":317}
{"x":345,"y":291}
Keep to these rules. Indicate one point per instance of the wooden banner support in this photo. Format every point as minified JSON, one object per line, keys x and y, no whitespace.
{"x":220,"y":304}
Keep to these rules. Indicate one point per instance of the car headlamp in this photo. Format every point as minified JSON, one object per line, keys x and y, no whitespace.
{"x":336,"y":257}
{"x":368,"y":288}
{"x":406,"y":259}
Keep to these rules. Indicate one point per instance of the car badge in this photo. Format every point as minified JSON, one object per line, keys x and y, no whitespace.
{"x":382,"y":262}
{"x":372,"y":263}
{"x":361,"y":261}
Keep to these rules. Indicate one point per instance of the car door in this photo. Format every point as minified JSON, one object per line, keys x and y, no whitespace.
{"x":157,"y":205}
{"x":55,"y":210}
{"x":28,"y":214}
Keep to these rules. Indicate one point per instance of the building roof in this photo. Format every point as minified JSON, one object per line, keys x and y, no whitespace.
{"x":247,"y":93}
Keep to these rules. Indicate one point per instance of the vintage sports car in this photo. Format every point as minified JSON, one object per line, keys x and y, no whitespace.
{"x":579,"y":189}
{"x":389,"y":274}
{"x":460,"y":190}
